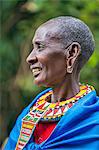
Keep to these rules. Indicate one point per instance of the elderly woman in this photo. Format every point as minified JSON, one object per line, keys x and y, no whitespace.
{"x":64,"y":116}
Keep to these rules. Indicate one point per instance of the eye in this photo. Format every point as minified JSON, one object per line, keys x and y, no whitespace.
{"x":40,"y":47}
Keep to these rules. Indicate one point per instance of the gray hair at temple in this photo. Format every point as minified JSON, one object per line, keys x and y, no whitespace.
{"x":70,"y":30}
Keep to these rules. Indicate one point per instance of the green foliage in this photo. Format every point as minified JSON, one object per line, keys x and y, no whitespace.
{"x":19,"y":20}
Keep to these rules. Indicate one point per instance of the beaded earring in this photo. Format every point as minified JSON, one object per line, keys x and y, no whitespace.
{"x":69,"y":69}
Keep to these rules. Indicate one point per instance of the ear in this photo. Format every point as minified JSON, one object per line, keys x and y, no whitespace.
{"x":72,"y":53}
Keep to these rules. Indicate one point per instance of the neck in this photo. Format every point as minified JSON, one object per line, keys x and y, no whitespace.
{"x":65,"y":90}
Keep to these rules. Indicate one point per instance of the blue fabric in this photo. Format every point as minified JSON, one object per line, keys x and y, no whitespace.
{"x":78,"y":129}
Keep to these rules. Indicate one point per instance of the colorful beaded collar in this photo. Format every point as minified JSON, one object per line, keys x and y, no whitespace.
{"x":57,"y":110}
{"x":45,"y":111}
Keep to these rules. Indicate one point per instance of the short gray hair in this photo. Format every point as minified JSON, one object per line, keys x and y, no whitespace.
{"x":74,"y":30}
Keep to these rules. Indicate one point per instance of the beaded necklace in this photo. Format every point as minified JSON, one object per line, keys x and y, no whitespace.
{"x":45,"y":111}
{"x":58,"y":109}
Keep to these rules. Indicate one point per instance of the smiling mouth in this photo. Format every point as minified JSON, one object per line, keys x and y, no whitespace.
{"x":36,"y":71}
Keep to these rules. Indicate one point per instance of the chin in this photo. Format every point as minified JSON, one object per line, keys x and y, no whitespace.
{"x":41,"y":82}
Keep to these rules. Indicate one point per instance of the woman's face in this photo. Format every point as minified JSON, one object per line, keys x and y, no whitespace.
{"x":47,"y":59}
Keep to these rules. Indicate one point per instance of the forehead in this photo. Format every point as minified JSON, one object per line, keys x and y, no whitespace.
{"x":46,"y":33}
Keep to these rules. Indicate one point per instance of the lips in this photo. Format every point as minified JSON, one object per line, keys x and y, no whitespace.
{"x":35,"y":70}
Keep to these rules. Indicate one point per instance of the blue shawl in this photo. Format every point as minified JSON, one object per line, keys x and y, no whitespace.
{"x":78,"y":129}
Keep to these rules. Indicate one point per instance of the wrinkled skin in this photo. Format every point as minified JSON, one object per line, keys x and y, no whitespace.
{"x":52,"y":62}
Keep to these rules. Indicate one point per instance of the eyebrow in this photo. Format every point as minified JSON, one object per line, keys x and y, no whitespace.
{"x":38,"y":42}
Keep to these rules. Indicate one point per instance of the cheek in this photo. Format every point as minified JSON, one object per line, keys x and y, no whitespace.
{"x":54,"y":68}
{"x":57,"y":68}
{"x":43,"y":78}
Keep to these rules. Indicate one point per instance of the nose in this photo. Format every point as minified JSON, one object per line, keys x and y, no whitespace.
{"x":31,"y":59}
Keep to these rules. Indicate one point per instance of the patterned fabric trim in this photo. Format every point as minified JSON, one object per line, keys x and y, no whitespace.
{"x":28,"y":125}
{"x":45,"y":111}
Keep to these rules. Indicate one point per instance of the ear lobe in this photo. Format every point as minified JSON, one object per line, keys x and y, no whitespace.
{"x":71,"y":55}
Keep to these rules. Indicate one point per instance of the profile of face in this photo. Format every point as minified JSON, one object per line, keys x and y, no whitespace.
{"x":47,"y":59}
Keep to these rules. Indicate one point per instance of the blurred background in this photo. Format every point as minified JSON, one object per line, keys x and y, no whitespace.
{"x":19,"y":20}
